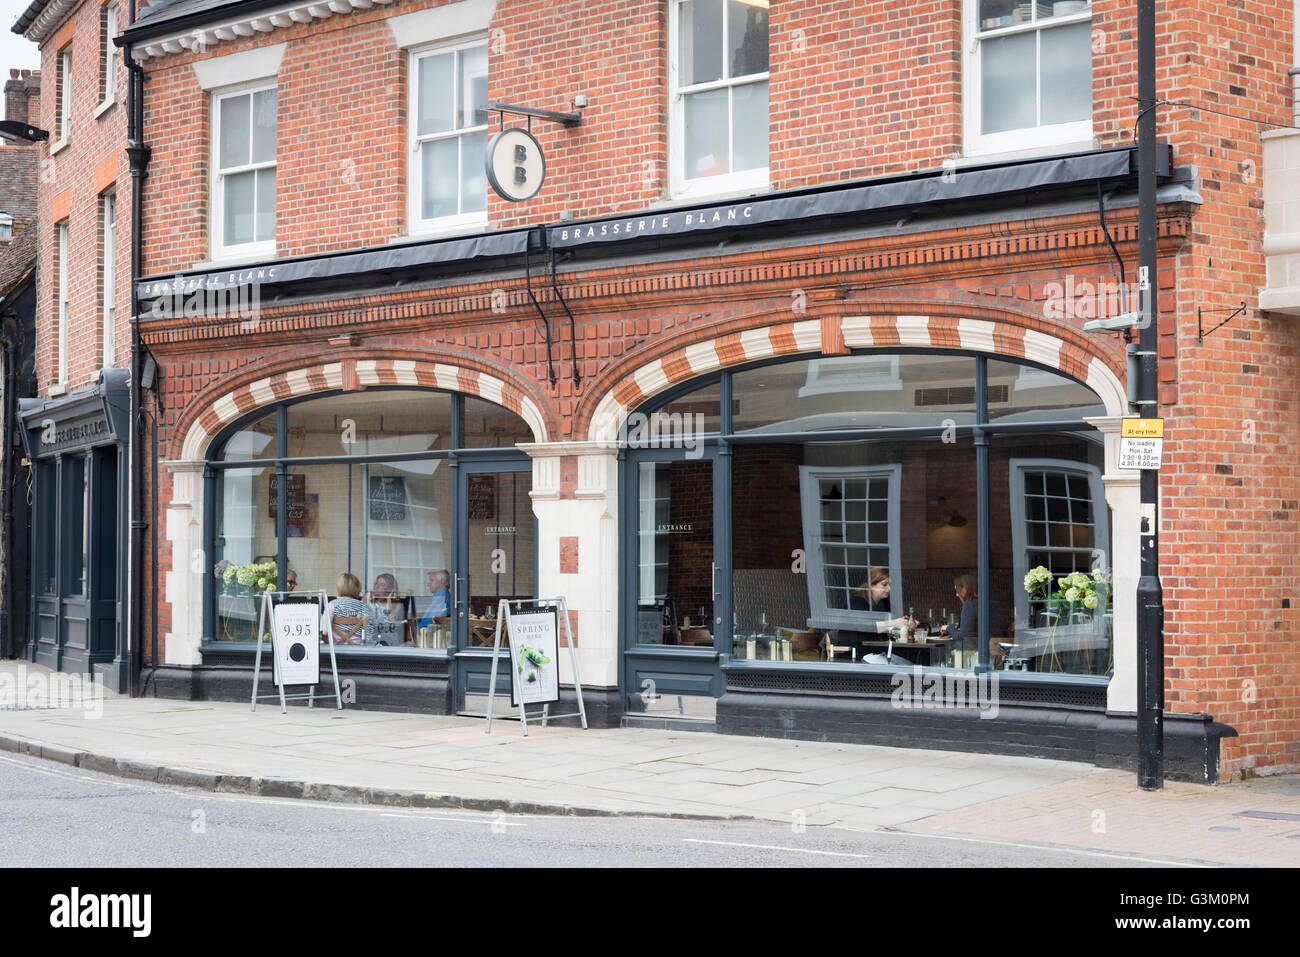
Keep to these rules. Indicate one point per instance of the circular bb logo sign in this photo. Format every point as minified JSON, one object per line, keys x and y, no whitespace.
{"x":515,"y":165}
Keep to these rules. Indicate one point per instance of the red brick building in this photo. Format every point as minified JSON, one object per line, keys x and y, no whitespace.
{"x":845,"y":255}
{"x":75,"y":431}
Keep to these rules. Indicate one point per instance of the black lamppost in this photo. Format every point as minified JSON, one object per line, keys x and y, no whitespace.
{"x":1150,"y":596}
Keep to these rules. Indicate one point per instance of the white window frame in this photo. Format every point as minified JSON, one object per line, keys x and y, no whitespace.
{"x":63,"y":297}
{"x":415,"y":172}
{"x":681,"y":186}
{"x":253,"y":249}
{"x":6,"y":226}
{"x":110,"y":59}
{"x":65,"y":99}
{"x":1076,"y":134}
{"x":1069,"y":635}
{"x":821,"y":615}
{"x":108,"y":213}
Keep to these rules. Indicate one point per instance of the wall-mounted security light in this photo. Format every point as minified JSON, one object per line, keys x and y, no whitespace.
{"x":1114,"y":323}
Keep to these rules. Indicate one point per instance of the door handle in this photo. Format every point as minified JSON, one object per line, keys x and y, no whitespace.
{"x":455,"y":595}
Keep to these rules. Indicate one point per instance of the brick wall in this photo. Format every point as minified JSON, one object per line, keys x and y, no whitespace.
{"x":71,"y":185}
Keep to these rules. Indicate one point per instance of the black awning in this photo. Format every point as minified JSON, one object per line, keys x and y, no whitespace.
{"x":961,"y":189}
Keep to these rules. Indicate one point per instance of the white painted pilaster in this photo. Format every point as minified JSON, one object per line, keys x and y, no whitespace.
{"x":1123,"y":495}
{"x":183,"y":585}
{"x":591,"y":516}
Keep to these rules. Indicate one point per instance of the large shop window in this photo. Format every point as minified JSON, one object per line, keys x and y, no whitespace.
{"x":1028,"y":74}
{"x":244,"y":153}
{"x":368,"y":491}
{"x":718,"y":94}
{"x":449,"y":135}
{"x":853,"y":505}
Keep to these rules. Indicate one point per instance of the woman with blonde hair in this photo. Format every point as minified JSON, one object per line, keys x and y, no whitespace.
{"x":348,"y":604}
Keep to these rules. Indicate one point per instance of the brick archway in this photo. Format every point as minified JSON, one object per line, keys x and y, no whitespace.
{"x":834,"y":334}
{"x":213,"y":417}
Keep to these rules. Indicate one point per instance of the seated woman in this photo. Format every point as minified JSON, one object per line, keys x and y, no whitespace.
{"x":348,"y":605}
{"x":872,"y":596}
{"x":966,"y":634}
{"x":389,"y":611}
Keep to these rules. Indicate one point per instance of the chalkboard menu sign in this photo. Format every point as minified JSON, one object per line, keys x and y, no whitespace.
{"x":482,"y":498}
{"x":387,"y":498}
{"x":297,"y":497}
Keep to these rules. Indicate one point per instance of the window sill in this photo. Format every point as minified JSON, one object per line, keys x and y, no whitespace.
{"x":433,"y":230}
{"x":241,"y":257}
{"x":706,"y":191}
{"x":58,"y":388}
{"x":1032,"y":152}
{"x":59,"y":145}
{"x":104,"y":107}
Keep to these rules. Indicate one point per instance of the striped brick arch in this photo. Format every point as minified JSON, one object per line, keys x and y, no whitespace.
{"x":833,"y":334}
{"x":354,"y":374}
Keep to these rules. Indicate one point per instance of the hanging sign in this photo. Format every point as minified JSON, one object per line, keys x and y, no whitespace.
{"x":1141,"y":443}
{"x":534,"y":657}
{"x":516,"y":167}
{"x":296,"y":640}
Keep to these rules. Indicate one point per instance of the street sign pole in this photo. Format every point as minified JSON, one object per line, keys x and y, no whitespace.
{"x":1150,"y":596}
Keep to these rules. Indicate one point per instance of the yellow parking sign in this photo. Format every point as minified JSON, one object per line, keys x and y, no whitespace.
{"x":1142,"y":429}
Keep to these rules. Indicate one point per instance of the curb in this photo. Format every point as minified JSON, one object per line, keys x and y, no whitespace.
{"x":314,"y":791}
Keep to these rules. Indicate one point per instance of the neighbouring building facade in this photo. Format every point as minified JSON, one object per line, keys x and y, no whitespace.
{"x":18,"y":172}
{"x":74,"y":429}
{"x":787,"y":347}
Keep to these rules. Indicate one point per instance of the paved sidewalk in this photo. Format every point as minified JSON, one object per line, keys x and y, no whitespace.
{"x":367,"y":756}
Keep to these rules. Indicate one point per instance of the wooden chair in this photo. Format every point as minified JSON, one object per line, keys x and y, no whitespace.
{"x":348,"y":631}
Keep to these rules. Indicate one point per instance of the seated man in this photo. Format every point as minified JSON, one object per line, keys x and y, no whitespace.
{"x":440,"y":603}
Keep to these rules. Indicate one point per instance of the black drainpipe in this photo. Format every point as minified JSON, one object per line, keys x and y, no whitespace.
{"x":138,"y":154}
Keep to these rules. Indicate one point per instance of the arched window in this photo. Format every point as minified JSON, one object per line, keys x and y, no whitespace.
{"x":361,"y":483}
{"x":848,"y":499}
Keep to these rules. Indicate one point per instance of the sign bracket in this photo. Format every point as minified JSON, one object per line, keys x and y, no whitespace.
{"x":564,"y":119}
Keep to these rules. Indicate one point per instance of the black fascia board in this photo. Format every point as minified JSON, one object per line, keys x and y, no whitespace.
{"x":711,"y":225}
{"x":27,"y":16}
{"x":382,"y":266}
{"x":149,"y":29}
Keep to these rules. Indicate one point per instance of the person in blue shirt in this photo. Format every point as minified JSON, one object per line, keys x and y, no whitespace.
{"x":440,"y":603}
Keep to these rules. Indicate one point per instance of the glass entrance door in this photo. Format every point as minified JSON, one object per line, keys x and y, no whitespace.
{"x":496,"y":558}
{"x":675,"y":622}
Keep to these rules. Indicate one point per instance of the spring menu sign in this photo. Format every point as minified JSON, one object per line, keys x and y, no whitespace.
{"x":534,"y":657}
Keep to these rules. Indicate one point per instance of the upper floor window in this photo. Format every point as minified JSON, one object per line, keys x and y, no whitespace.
{"x":6,"y":226}
{"x":1028,"y":74}
{"x":449,"y":134}
{"x":108,"y":54}
{"x":63,"y":119}
{"x":243,"y":194}
{"x":61,"y":296}
{"x":718,"y":95}
{"x":109,"y":225}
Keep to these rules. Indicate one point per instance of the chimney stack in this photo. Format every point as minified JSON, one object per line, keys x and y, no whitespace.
{"x":23,"y":96}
